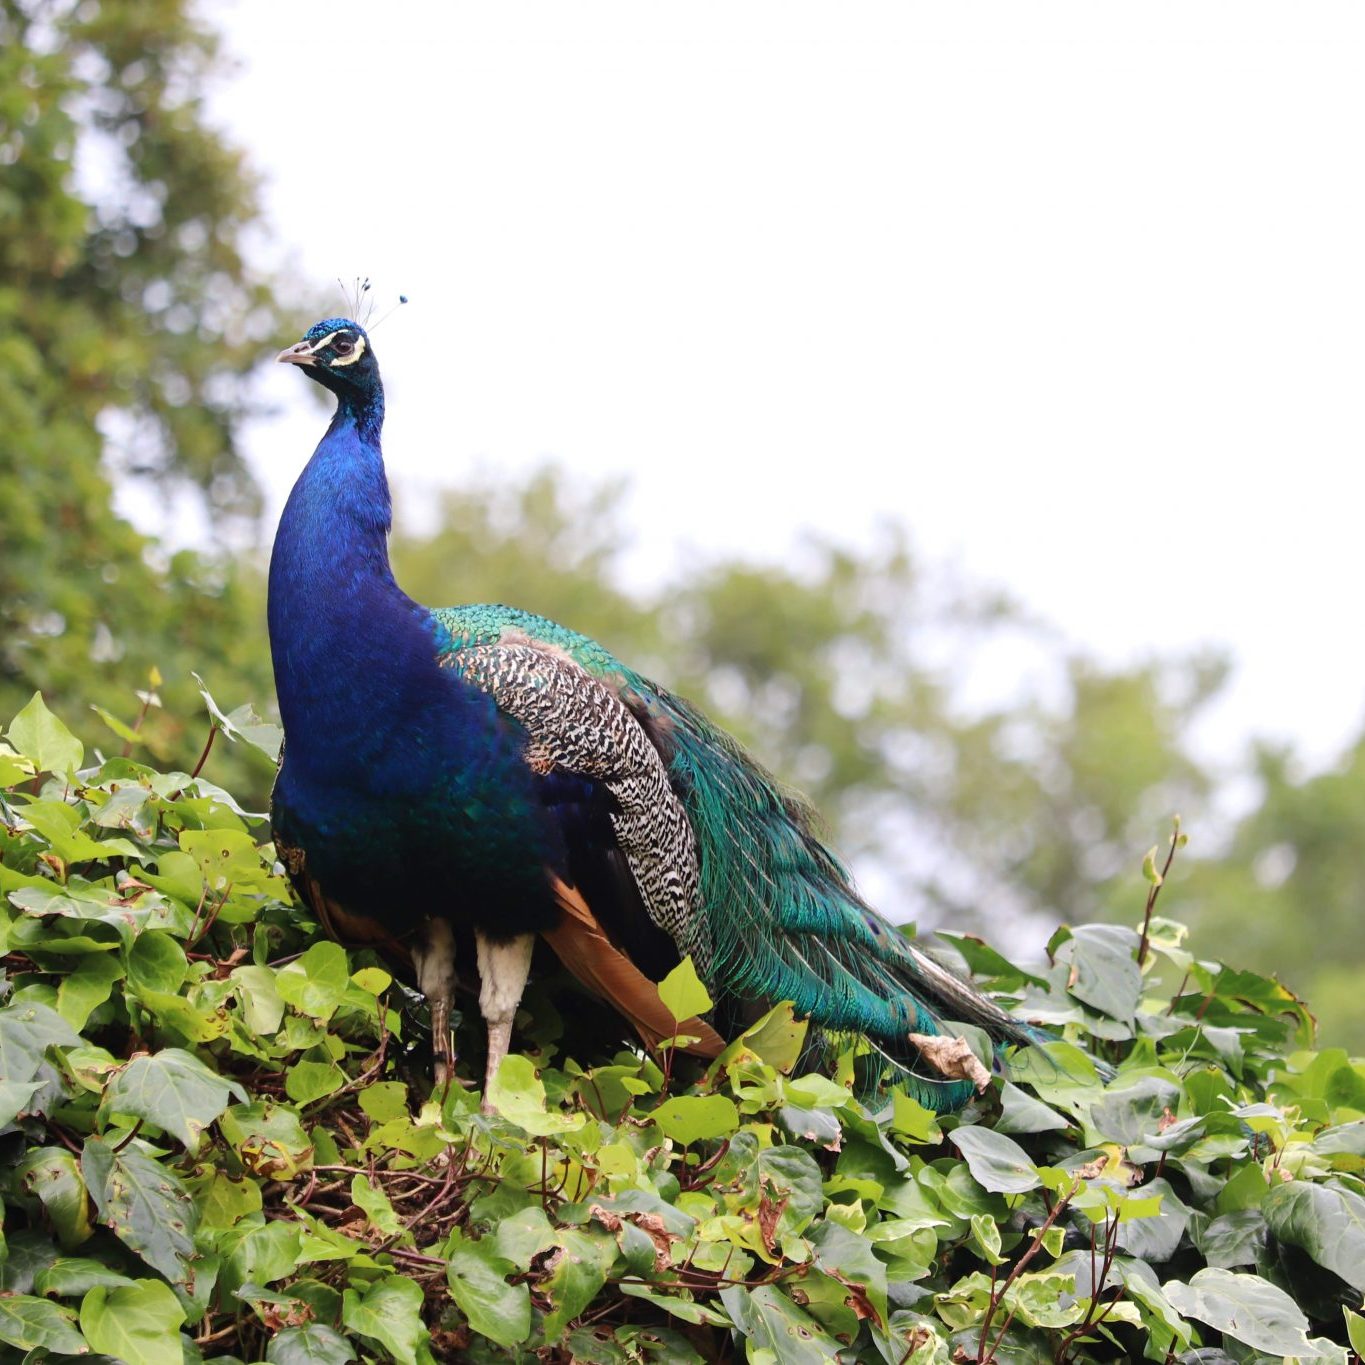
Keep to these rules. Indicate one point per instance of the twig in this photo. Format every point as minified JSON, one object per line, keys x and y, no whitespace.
{"x":1154,"y":891}
{"x":204,"y":757}
{"x":1090,"y":1322}
{"x":137,"y":724}
{"x":132,"y":1133}
{"x":984,"y":1356}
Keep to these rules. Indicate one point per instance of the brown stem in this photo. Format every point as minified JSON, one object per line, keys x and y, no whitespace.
{"x":1153,"y":892}
{"x":984,"y":1356}
{"x":137,"y":725}
{"x":132,"y":1133}
{"x":203,"y":758}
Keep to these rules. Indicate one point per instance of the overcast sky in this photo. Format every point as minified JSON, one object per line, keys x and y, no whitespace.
{"x":1075,"y":291}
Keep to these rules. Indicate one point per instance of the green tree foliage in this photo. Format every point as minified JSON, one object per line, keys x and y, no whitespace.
{"x":1290,"y":891}
{"x":128,"y":322}
{"x":217,"y":1141}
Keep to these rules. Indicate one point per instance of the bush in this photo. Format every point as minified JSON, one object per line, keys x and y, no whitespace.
{"x":217,"y":1143}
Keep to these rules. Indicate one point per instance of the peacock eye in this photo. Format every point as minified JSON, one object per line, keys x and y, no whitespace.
{"x":343,"y":348}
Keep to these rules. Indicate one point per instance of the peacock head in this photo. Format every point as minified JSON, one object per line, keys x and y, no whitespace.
{"x":337,"y":354}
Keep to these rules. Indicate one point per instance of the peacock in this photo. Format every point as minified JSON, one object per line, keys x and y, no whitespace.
{"x":481,"y":772}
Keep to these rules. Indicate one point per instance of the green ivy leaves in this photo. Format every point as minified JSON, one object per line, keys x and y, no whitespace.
{"x":218,"y":1127}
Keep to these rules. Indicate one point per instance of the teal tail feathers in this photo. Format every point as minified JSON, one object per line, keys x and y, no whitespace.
{"x":784,"y":922}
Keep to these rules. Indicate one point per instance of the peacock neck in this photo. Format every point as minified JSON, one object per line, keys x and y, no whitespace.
{"x":333,"y":535}
{"x":334,"y":607}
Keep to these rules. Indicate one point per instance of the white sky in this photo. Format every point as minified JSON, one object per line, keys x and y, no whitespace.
{"x":1077,"y":291}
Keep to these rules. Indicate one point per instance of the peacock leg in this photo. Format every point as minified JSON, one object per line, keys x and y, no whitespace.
{"x":503,"y":969}
{"x":434,"y":957}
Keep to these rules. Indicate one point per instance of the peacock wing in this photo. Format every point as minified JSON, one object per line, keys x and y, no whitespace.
{"x":577,"y":722}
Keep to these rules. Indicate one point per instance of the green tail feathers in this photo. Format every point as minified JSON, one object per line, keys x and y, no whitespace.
{"x":785,"y":923}
{"x":781,"y":920}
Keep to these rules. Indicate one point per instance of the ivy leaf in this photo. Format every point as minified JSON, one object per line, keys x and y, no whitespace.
{"x":523,"y":1236}
{"x":385,"y":1100}
{"x":683,"y":993}
{"x":137,"y":1323}
{"x":314,"y":1344}
{"x":689,"y":1118}
{"x":689,"y":1310}
{"x":997,"y":1163}
{"x":70,"y":1277}
{"x":1129,"y":1115}
{"x":316,"y":983}
{"x":1021,"y":1113}
{"x":51,"y":1174}
{"x":1326,"y":1221}
{"x":307,"y":1081}
{"x":269,"y":1139}
{"x":14,"y":768}
{"x":172,"y":1089}
{"x":37,"y":734}
{"x":244,"y":724}
{"x":156,"y":962}
{"x":145,"y":1205}
{"x":15,"y":1097}
{"x":87,"y":987}
{"x":574,"y":1272}
{"x":1232,"y":1239}
{"x":477,"y":1276}
{"x":31,"y":1323}
{"x":773,"y":1323}
{"x":389,"y":1312}
{"x":1103,"y":968}
{"x":778,"y":1038}
{"x":27,"y":1030}
{"x":1355,"y":1331}
{"x":518,"y":1094}
{"x":848,"y":1257}
{"x":1245,"y":1307}
{"x":371,"y":1200}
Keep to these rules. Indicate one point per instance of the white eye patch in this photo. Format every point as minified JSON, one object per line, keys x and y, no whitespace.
{"x":353,"y":357}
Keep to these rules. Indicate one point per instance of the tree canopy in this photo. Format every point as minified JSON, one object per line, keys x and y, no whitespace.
{"x":130,"y":320}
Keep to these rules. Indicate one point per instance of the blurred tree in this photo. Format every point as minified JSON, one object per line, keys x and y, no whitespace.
{"x":1290,"y":892}
{"x":128,"y":322}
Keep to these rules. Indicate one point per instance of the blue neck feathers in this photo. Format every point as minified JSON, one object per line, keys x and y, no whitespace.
{"x":340,"y":627}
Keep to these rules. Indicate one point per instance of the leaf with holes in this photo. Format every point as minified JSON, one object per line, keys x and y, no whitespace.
{"x":145,"y":1204}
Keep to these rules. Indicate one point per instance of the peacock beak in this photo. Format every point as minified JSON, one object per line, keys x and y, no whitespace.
{"x":301,"y":353}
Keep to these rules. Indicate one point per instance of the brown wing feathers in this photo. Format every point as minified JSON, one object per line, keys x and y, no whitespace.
{"x":589,"y":954}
